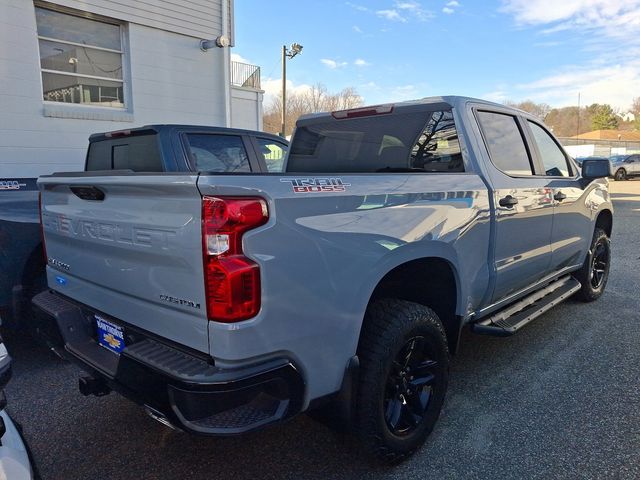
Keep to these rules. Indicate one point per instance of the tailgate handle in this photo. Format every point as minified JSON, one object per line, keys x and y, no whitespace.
{"x":88,"y":193}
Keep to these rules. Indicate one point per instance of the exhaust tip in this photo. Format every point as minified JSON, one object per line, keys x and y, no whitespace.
{"x":160,"y":418}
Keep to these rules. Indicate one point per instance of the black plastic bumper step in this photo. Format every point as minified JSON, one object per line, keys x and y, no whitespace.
{"x":512,"y":318}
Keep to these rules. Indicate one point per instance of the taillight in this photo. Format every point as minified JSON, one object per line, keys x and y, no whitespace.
{"x":44,"y":247}
{"x":232,"y":281}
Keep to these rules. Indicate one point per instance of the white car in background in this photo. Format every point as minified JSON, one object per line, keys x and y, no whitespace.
{"x":15,"y":461}
{"x":625,"y":166}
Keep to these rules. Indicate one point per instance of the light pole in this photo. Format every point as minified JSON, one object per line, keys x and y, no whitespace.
{"x":295,"y":49}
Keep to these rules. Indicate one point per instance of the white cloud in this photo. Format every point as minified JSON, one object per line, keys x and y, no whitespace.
{"x":370,"y":86}
{"x":238,"y":58}
{"x":414,"y":9}
{"x":273,"y":89}
{"x":333,"y":64}
{"x":357,"y":29}
{"x":611,"y":17}
{"x":408,"y":5}
{"x":610,"y":30}
{"x":405,"y":92}
{"x":391,"y":15}
{"x":361,"y":63}
{"x":547,"y":44}
{"x":498,"y":96}
{"x":615,"y":84}
{"x":360,"y":8}
{"x":450,"y":7}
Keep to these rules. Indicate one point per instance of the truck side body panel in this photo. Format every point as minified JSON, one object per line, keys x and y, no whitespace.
{"x":322,"y":255}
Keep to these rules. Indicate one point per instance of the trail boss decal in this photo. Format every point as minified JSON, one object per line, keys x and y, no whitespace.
{"x":11,"y":185}
{"x":316,"y":185}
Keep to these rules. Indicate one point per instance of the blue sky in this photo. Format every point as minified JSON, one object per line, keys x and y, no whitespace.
{"x":392,"y":50}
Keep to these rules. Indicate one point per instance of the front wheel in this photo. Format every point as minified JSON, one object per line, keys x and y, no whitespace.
{"x":621,"y":174}
{"x":404,"y":362}
{"x":594,"y":273}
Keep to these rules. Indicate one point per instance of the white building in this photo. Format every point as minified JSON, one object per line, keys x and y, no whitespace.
{"x":628,"y":117}
{"x":69,"y":68}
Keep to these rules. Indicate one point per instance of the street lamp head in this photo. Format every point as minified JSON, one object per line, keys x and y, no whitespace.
{"x":296,"y":48}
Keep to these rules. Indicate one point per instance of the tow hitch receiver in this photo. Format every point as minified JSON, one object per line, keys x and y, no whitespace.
{"x":92,"y":386}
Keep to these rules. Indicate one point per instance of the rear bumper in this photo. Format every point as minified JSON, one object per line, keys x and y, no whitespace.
{"x":175,"y":384}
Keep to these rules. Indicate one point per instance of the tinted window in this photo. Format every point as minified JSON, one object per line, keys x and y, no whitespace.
{"x":553,"y":159}
{"x":273,"y":153}
{"x":505,"y":143}
{"x":218,"y":153}
{"x":139,"y":153}
{"x":438,"y":148}
{"x":404,"y":142}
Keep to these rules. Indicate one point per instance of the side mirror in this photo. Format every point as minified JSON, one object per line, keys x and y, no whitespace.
{"x":596,"y":168}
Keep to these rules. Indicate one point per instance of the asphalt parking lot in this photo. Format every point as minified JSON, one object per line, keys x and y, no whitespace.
{"x":559,"y":400}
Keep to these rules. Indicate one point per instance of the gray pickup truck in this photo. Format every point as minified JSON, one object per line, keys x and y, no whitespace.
{"x":225,"y":302}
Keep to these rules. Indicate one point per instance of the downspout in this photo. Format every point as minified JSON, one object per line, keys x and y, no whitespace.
{"x":226,"y":53}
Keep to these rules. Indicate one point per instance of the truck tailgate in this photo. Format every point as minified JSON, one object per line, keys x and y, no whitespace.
{"x":129,"y":246}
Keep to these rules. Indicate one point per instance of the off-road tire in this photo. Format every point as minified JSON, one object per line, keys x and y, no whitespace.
{"x":592,"y":290}
{"x":389,"y":324}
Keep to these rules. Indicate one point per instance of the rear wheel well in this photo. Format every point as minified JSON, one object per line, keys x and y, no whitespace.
{"x":605,"y":221}
{"x":427,"y":281}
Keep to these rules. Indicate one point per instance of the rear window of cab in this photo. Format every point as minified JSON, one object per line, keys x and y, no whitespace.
{"x":425,"y":141}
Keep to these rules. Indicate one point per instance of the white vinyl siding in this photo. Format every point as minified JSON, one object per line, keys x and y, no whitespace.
{"x":170,"y":81}
{"x":195,"y":18}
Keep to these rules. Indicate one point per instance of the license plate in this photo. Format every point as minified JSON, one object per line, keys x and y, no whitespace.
{"x":110,"y":336}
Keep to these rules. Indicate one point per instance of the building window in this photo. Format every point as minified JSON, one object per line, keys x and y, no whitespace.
{"x":80,"y":59}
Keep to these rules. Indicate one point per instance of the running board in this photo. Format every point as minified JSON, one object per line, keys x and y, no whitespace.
{"x":512,"y":318}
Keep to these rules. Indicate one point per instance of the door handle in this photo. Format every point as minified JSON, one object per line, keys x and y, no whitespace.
{"x":559,"y":196}
{"x":508,"y":201}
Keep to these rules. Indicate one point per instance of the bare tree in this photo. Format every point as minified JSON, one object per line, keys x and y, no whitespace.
{"x":315,"y":99}
{"x":540,"y":110}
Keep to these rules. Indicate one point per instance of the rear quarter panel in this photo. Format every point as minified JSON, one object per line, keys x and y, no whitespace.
{"x":322,"y":255}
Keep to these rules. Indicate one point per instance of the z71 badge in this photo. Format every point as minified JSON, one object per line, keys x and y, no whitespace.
{"x":316,"y":185}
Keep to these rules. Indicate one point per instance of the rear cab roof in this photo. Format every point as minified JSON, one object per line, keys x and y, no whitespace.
{"x":453,"y":101}
{"x":168,"y":128}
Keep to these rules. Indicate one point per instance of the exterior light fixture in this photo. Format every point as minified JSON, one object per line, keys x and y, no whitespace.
{"x":289,"y":53}
{"x":220,"y":42}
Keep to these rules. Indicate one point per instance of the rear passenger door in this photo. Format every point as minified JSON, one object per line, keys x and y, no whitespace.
{"x":523,"y":203}
{"x":572,"y":227}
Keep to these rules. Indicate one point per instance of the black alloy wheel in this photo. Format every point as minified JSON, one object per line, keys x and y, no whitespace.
{"x":594,"y":273}
{"x":409,"y":387}
{"x":599,"y":264}
{"x":402,"y":380}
